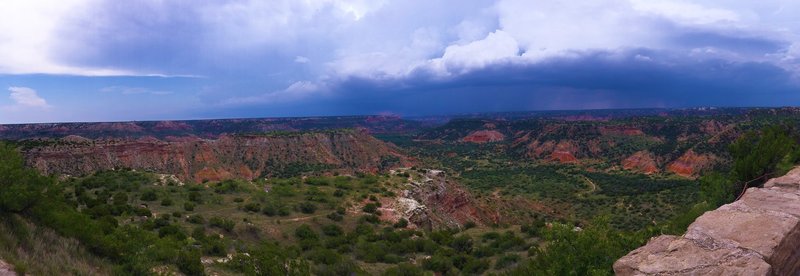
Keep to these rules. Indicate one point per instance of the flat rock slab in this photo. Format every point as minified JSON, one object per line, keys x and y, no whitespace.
{"x":6,"y":269}
{"x":757,"y":235}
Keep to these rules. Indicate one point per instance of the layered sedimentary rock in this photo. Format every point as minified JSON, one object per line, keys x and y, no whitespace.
{"x":641,"y":161}
{"x":690,"y":163}
{"x":757,"y":235}
{"x":239,"y":156}
{"x":484,"y":136}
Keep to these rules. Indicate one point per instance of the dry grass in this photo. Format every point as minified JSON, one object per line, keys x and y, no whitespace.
{"x":41,"y":251}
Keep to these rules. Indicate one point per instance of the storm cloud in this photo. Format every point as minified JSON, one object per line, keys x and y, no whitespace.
{"x":327,"y":57}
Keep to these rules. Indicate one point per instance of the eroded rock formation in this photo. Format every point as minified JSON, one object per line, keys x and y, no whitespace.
{"x":435,"y":202}
{"x":484,"y":136}
{"x":757,"y":235}
{"x":641,"y":161}
{"x":239,"y":156}
{"x":690,"y":163}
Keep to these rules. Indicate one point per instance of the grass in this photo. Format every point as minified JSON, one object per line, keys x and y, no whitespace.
{"x":41,"y":251}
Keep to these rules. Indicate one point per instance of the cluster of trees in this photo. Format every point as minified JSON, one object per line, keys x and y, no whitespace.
{"x":757,"y":156}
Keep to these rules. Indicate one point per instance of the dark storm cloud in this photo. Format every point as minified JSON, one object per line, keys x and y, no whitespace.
{"x":594,"y":80}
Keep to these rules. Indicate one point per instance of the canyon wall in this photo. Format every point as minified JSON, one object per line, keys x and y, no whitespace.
{"x":756,"y":235}
{"x":236,"y":156}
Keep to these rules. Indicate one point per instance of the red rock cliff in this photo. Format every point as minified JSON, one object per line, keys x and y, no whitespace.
{"x":242,"y":156}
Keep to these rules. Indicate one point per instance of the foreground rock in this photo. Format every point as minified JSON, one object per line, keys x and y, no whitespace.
{"x":757,"y":235}
{"x":6,"y":269}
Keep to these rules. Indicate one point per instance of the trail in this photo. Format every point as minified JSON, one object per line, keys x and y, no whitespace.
{"x":593,"y":187}
{"x":591,"y":183}
{"x":302,"y":218}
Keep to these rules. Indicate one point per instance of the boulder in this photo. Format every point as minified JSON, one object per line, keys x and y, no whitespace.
{"x":6,"y":269}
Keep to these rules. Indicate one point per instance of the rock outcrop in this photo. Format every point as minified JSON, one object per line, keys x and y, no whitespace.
{"x":641,"y":161}
{"x":435,"y":202}
{"x":690,"y":163}
{"x":757,"y":235}
{"x":6,"y":269}
{"x":237,"y":156}
{"x":484,"y":136}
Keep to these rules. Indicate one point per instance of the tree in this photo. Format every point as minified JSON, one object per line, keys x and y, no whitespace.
{"x":269,"y":259}
{"x":304,"y":232}
{"x":716,"y":189}
{"x":758,"y":153}
{"x":189,"y":263}
{"x":20,"y":187}
{"x":591,"y":251}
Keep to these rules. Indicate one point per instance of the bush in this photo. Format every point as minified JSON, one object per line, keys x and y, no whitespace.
{"x":252,"y":207}
{"x":196,"y":219}
{"x":469,"y":225}
{"x":120,"y":198}
{"x":304,"y":232}
{"x":149,"y":195}
{"x":402,"y":223}
{"x":437,"y":263}
{"x":370,"y":208}
{"x":332,"y":230}
{"x":166,"y":202}
{"x":371,"y":219}
{"x":506,"y":260}
{"x":307,"y":207}
{"x":462,"y":243}
{"x":338,"y":193}
{"x":404,"y":269}
{"x":195,"y":196}
{"x":188,"y":262}
{"x":222,"y":223}
{"x":172,"y":230}
{"x":142,"y":212}
{"x":335,"y":217}
{"x":325,"y":256}
{"x":188,"y":206}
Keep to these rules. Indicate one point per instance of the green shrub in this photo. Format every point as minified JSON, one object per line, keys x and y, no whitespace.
{"x":370,"y":208}
{"x":335,"y":217}
{"x":166,"y":202}
{"x":404,"y":269}
{"x":401,"y":223}
{"x":252,"y":207}
{"x":332,"y":230}
{"x":149,"y":195}
{"x":222,"y":223}
{"x":188,"y":262}
{"x":304,"y":232}
{"x":307,"y":207}
{"x":196,"y":219}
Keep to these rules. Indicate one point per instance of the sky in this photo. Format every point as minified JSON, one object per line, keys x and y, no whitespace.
{"x":94,"y":60}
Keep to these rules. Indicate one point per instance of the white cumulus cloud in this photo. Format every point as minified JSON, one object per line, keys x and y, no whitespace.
{"x":27,"y":97}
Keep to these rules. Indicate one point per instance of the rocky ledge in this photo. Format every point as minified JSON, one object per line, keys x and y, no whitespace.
{"x":757,"y":235}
